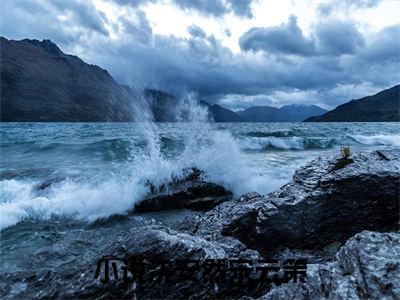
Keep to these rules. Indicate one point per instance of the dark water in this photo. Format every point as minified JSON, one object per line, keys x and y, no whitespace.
{"x":62,"y":184}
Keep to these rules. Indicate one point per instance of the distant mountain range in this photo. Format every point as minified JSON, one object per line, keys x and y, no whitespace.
{"x":41,"y":83}
{"x":381,"y":107}
{"x":287,"y":113}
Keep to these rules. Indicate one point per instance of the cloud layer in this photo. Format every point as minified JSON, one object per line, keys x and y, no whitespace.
{"x":331,"y":63}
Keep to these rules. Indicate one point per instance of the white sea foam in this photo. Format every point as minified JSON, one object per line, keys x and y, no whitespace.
{"x":215,"y":152}
{"x":285,"y":143}
{"x":378,"y":139}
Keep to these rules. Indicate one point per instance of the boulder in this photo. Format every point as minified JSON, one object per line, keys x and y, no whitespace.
{"x":321,"y":205}
{"x":152,"y":244}
{"x":187,"y":190}
{"x":366,"y":267}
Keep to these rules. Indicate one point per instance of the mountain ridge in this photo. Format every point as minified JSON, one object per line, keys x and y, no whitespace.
{"x":40,"y":82}
{"x":286,"y":113}
{"x":383,"y":106}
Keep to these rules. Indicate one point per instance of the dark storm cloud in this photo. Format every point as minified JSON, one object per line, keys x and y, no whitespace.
{"x":385,"y":47}
{"x":201,"y":63}
{"x":287,"y":38}
{"x":331,"y":65}
{"x":31,"y":19}
{"x":140,"y":30}
{"x":338,"y":37}
{"x":84,"y":14}
{"x":333,"y":37}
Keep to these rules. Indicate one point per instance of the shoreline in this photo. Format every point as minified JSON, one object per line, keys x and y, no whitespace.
{"x":315,"y":217}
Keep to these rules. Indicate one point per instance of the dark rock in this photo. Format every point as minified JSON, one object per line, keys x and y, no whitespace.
{"x":200,"y":195}
{"x":155,"y":243}
{"x":177,"y":181}
{"x":366,"y":267}
{"x":319,"y":206}
{"x":184,"y":191}
{"x":152,"y":244}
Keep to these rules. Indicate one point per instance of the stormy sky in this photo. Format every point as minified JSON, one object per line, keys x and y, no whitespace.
{"x":237,"y":53}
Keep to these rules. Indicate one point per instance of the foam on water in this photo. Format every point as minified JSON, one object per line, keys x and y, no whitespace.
{"x":285,"y":143}
{"x":215,"y":152}
{"x":195,"y":142}
{"x":378,"y":139}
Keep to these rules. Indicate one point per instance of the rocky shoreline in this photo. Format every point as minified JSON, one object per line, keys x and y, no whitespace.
{"x":343,"y":220}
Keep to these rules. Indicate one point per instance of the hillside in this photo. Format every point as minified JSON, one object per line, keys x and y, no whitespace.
{"x":41,"y":83}
{"x":381,"y":107}
{"x":300,"y":112}
{"x":221,"y":114}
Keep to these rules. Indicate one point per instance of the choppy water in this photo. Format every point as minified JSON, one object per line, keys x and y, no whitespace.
{"x":92,"y":170}
{"x":56,"y":179}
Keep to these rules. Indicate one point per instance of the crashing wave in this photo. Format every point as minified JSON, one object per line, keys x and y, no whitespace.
{"x":286,"y":143}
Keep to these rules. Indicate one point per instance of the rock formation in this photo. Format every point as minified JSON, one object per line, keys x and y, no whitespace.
{"x":322,"y":207}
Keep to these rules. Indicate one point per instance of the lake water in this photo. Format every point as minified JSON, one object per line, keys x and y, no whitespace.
{"x":93,"y":170}
{"x":59,"y":179}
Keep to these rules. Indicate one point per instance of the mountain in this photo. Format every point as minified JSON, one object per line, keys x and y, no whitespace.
{"x":163,"y":105}
{"x":41,"y":83}
{"x":263,"y":114}
{"x":221,"y":114}
{"x":381,"y":107}
{"x":300,"y":112}
{"x":287,"y":113}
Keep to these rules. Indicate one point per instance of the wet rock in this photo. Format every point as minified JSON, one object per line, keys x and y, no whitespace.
{"x":156,"y":243}
{"x":199,"y":196}
{"x":185,"y":191}
{"x":151,"y":244}
{"x":319,"y":206}
{"x":366,"y":267}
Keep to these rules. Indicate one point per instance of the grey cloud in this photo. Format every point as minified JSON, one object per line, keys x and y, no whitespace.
{"x":140,"y":30}
{"x":286,"y":38}
{"x":28,"y":19}
{"x":196,"y":31}
{"x":241,"y":7}
{"x":385,"y":46}
{"x":31,"y":19}
{"x":338,"y":37}
{"x":331,"y":37}
{"x":201,"y":63}
{"x":211,"y":7}
{"x":208,"y":7}
{"x":218,"y":7}
{"x":84,"y":14}
{"x":327,"y":8}
{"x":132,"y":3}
